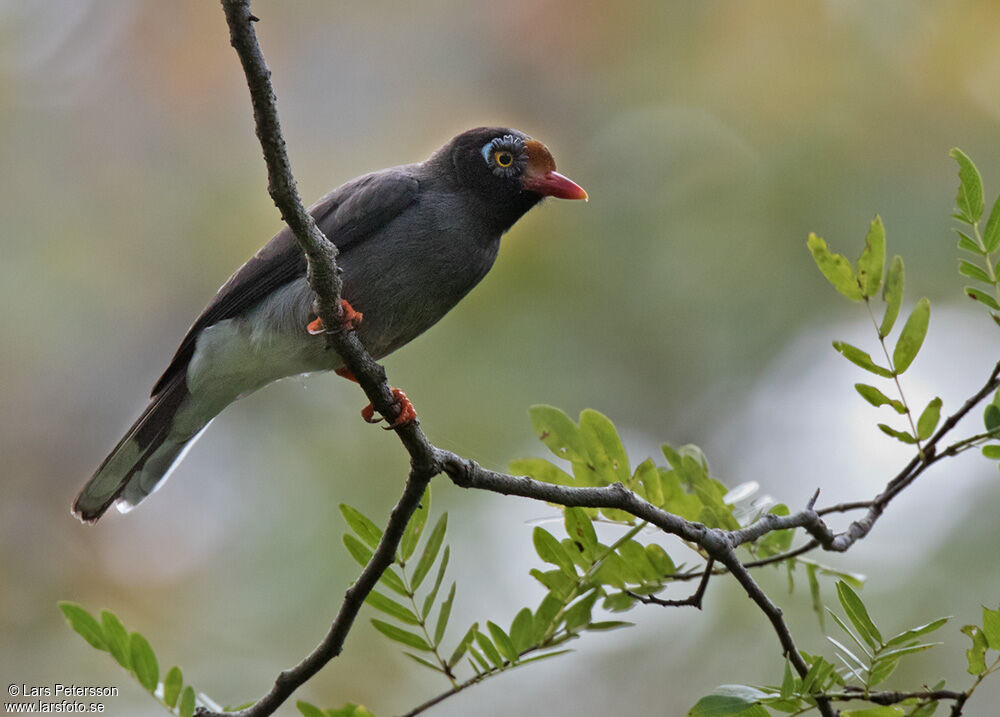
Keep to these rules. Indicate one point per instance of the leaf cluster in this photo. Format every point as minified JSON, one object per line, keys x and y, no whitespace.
{"x":133,"y":652}
{"x":981,"y":245}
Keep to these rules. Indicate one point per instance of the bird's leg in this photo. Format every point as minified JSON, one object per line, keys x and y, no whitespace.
{"x":404,"y":413}
{"x":349,"y":318}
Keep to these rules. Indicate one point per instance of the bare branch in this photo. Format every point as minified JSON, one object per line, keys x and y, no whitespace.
{"x":694,"y":600}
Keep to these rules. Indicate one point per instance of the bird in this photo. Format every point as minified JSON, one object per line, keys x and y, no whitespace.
{"x":413,"y":240}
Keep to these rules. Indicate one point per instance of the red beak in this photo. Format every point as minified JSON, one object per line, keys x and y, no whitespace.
{"x":553,"y":184}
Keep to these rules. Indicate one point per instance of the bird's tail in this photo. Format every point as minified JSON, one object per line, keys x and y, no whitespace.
{"x":141,"y":460}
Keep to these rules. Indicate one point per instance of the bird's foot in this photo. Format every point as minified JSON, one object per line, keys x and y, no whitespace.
{"x":404,"y":411}
{"x":349,"y":320}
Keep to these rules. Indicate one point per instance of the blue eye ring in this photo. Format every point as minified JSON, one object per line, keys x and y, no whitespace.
{"x":506,"y":156}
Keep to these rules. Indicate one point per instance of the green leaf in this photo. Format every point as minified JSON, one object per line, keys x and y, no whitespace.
{"x":541,"y":469}
{"x":877,"y":398}
{"x":982,"y":297}
{"x":967,"y":268}
{"x":357,"y":549}
{"x":547,"y":655}
{"x":429,"y":600}
{"x":390,"y":607}
{"x":144,"y":664}
{"x":817,"y":601}
{"x":976,"y":655}
{"x":992,"y":452}
{"x":521,"y":629}
{"x":187,"y":702}
{"x":556,"y":581}
{"x":844,"y":649}
{"x":730,"y":701}
{"x":991,"y":234}
{"x":970,"y":190}
{"x":425,"y":663}
{"x":778,"y":541}
{"x":912,"y":336}
{"x":843,"y":626}
{"x":861,"y":358}
{"x":489,"y":649}
{"x":172,"y":684}
{"x":309,"y":710}
{"x":430,"y":553}
{"x":836,"y":268}
{"x":788,"y":681}
{"x":365,"y":528}
{"x":907,"y":650}
{"x":84,"y":624}
{"x":858,"y":615}
{"x":444,"y":615}
{"x":390,"y":578}
{"x":637,"y":565}
{"x":551,"y":551}
{"x":991,"y":417}
{"x":929,"y":419}
{"x":913,"y":633}
{"x":608,"y":625}
{"x":966,"y":242}
{"x":558,"y":432}
{"x":660,"y":560}
{"x":892,"y":293}
{"x":882,"y":711}
{"x":898,"y":435}
{"x":618,"y":602}
{"x":578,"y":615}
{"x":647,"y":477}
{"x":463,"y":645}
{"x":991,"y":627}
{"x":580,"y":530}
{"x":503,"y":641}
{"x":872,"y":259}
{"x":604,"y":446}
{"x":414,"y":528}
{"x":116,"y":638}
{"x":402,"y":636}
{"x":546,"y":616}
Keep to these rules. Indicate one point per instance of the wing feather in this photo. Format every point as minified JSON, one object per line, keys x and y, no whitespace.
{"x":347,"y":216}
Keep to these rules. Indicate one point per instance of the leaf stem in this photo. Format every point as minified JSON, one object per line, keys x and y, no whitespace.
{"x":895,"y":375}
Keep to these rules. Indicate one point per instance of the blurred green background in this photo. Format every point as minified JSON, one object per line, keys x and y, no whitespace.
{"x":680,"y":301}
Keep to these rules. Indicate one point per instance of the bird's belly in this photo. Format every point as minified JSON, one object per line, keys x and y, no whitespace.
{"x":237,"y":356}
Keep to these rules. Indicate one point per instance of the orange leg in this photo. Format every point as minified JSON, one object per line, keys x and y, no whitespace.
{"x":405,"y":412}
{"x":350,"y":319}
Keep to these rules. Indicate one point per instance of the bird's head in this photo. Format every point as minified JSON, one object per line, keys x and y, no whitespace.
{"x":508,"y":169}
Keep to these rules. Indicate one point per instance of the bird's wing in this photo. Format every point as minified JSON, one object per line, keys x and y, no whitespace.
{"x":347,"y":216}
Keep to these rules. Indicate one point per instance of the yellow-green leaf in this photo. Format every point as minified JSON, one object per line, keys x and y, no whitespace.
{"x":912,"y":336}
{"x":836,"y":268}
{"x":872,"y":259}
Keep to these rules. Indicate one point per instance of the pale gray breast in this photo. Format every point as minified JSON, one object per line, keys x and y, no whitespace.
{"x":408,"y":276}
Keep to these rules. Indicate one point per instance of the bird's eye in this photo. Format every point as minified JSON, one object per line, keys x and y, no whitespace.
{"x":503,"y":158}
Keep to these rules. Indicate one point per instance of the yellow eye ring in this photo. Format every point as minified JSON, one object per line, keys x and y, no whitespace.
{"x":503,"y":158}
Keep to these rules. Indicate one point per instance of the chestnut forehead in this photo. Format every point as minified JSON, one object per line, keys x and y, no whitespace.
{"x":539,"y":157}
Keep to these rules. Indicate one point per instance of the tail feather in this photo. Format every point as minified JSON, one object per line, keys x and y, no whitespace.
{"x":140,"y":461}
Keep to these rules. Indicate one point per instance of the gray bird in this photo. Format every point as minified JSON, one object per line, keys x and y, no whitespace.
{"x":413,"y":241}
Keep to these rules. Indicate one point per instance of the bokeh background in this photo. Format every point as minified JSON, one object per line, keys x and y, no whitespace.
{"x":680,"y":301}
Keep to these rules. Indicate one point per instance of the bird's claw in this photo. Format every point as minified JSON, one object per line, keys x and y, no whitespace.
{"x":404,"y":411}
{"x":350,"y":320}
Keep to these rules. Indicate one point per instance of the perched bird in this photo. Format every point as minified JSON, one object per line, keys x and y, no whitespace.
{"x":413,"y":241}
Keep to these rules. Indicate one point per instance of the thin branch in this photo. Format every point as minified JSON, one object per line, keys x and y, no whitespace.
{"x":913,"y":469}
{"x":892,"y":698}
{"x":773,"y":613}
{"x":693,"y":600}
